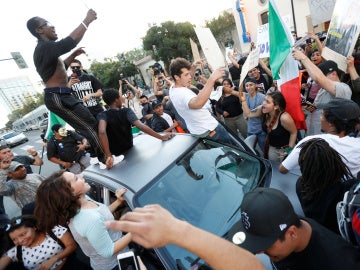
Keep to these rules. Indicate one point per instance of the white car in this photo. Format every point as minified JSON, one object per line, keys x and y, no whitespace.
{"x":14,"y":138}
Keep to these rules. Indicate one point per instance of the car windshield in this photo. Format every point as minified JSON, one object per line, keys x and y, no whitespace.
{"x":10,"y":135}
{"x":205,"y":187}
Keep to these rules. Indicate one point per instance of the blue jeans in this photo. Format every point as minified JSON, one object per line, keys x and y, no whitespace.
{"x":261,"y":138}
{"x":221,"y":135}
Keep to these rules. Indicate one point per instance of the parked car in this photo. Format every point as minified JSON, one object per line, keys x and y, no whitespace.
{"x":43,"y":124}
{"x":197,"y":180}
{"x":14,"y":138}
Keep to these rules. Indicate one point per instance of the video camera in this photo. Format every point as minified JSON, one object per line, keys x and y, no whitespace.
{"x":123,"y":81}
{"x":157,"y":68}
{"x":197,"y":72}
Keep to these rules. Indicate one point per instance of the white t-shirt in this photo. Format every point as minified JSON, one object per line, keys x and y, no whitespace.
{"x":198,"y":121}
{"x":34,"y":256}
{"x":168,"y":119}
{"x":348,"y":147}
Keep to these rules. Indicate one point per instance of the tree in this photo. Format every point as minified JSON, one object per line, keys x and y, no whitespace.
{"x":109,"y":72}
{"x":171,"y":40}
{"x":221,"y":28}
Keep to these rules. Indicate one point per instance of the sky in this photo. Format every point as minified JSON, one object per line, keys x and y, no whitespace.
{"x":119,"y":27}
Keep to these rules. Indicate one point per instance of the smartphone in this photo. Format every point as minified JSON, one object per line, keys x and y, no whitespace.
{"x":127,"y":261}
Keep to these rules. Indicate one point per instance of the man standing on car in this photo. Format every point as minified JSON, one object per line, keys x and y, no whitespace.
{"x":190,"y":106}
{"x":52,"y":70}
{"x":86,"y":87}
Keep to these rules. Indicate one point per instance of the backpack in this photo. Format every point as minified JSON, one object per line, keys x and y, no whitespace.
{"x":345,"y":210}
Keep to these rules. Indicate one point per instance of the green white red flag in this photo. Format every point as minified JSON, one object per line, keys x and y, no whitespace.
{"x":283,"y":66}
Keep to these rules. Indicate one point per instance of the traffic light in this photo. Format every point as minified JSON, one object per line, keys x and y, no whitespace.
{"x":19,"y":60}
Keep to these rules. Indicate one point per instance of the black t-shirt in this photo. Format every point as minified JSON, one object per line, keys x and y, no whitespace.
{"x":230,"y":104}
{"x":326,"y":250}
{"x":65,"y":149}
{"x":158,"y":123}
{"x":47,"y":53}
{"x":88,"y":85}
{"x":118,"y":129}
{"x":322,"y":207}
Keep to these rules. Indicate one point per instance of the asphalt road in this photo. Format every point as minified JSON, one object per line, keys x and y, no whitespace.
{"x":45,"y":170}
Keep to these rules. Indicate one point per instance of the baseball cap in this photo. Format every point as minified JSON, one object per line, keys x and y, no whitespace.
{"x":328,"y":66}
{"x":266,"y":214}
{"x":156,"y":104}
{"x":56,"y":127}
{"x":344,"y":109}
{"x":14,"y":165}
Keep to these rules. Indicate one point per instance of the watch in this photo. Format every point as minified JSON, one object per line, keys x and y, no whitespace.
{"x":262,"y":1}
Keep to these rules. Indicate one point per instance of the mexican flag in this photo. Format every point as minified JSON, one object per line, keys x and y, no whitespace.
{"x":52,"y":120}
{"x":283,"y":66}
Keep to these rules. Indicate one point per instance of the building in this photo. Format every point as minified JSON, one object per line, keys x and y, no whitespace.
{"x":249,"y":14}
{"x":16,"y":91}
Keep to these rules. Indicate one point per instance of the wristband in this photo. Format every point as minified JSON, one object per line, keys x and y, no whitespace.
{"x":84,"y":25}
{"x":35,"y":154}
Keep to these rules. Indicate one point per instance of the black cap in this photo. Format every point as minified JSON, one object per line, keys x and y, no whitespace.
{"x":155,"y":104}
{"x":344,"y":109}
{"x":328,"y":66}
{"x":266,"y":214}
{"x":56,"y":127}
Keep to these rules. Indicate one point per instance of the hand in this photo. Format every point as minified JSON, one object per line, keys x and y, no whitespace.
{"x":119,"y":193}
{"x":32,"y":151}
{"x":151,"y":226}
{"x":225,"y":114}
{"x":79,"y":51}
{"x":298,"y":55}
{"x":67,"y":164}
{"x":310,"y":107}
{"x":90,"y":17}
{"x":349,"y":62}
{"x":46,"y":264}
{"x":86,"y":98}
{"x":166,"y":137}
{"x":217,"y":74}
{"x":81,"y":147}
{"x":72,"y":81}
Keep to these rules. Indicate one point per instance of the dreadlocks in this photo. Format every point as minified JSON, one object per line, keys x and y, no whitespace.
{"x":321,"y":166}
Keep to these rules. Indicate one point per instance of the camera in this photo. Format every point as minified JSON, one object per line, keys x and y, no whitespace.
{"x":123,"y":82}
{"x":157,"y":69}
{"x":197,"y":72}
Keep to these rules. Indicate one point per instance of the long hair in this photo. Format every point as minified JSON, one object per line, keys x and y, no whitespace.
{"x":321,"y":166}
{"x":278,"y":100}
{"x":341,"y":124}
{"x":55,"y":202}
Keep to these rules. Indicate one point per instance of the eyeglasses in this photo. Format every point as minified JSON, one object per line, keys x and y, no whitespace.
{"x":46,"y":23}
{"x":75,"y":67}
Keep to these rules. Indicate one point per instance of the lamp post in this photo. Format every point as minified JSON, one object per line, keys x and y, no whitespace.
{"x":293,"y":15}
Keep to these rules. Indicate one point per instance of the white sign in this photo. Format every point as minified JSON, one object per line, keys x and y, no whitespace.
{"x":263,"y":40}
{"x":195,"y":51}
{"x":321,"y":10}
{"x":251,"y":61}
{"x":210,"y":47}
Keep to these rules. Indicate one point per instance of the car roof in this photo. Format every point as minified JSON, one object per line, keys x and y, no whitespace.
{"x":147,"y":158}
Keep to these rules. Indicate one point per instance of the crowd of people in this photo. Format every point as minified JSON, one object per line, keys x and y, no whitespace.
{"x":57,"y":213}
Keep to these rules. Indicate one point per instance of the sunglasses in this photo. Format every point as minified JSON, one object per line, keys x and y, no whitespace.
{"x":75,"y":67}
{"x":46,"y":23}
{"x":13,"y":224}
